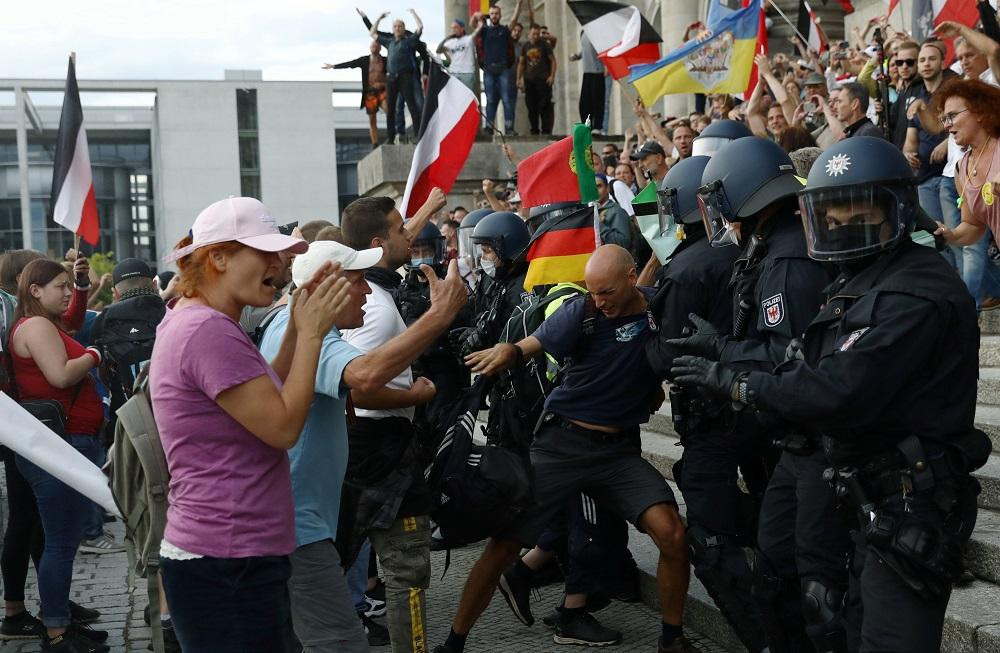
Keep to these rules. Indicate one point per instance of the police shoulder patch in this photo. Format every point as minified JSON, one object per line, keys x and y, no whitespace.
{"x":853,"y":338}
{"x":773,"y":309}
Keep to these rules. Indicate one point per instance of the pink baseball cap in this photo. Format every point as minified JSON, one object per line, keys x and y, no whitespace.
{"x":243,"y":219}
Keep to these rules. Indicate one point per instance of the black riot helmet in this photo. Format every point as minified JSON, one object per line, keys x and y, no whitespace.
{"x":427,"y":248}
{"x":466,"y":249}
{"x":716,"y":135}
{"x":540,"y":214}
{"x":503,"y":232}
{"x":743,"y":178}
{"x":859,"y":200}
{"x":678,"y":193}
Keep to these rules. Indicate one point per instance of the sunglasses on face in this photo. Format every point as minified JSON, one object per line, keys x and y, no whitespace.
{"x":906,"y":62}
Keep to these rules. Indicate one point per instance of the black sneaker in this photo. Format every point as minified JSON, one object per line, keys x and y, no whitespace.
{"x":376,"y":600}
{"x":378,"y":635}
{"x":516,"y":590}
{"x":83,"y":615}
{"x":22,"y":625}
{"x":551,"y":620}
{"x":84,"y":630}
{"x":70,"y":642}
{"x":581,"y":628}
{"x":678,"y":645}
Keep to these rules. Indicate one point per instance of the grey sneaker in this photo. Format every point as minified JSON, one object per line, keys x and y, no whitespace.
{"x":103,"y":543}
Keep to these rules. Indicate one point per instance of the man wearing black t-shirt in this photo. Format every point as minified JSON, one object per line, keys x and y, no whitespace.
{"x":536,"y":72}
{"x":589,"y":438}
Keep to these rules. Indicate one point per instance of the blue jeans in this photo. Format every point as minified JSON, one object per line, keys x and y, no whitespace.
{"x":357,"y":577}
{"x":93,"y":526}
{"x":63,"y":512}
{"x":951,"y":215}
{"x":229,"y":605}
{"x":498,"y":88}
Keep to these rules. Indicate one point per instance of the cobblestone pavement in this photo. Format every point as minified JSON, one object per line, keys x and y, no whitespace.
{"x":101,"y":581}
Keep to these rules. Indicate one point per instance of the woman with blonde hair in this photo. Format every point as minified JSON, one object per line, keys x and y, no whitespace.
{"x":227,"y":418}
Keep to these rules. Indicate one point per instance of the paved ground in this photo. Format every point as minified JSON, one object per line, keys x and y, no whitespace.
{"x":101,"y":581}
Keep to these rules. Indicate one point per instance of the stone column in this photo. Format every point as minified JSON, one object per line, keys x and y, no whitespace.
{"x":675,"y":16}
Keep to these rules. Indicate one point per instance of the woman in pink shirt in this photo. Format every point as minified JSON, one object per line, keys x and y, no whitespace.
{"x":226,"y":419}
{"x":968,"y":110}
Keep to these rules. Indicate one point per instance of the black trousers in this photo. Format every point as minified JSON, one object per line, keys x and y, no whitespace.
{"x":722,"y":518}
{"x":592,"y":100}
{"x":397,"y":84}
{"x":541,"y":112}
{"x":24,"y":538}
{"x":803,"y":534}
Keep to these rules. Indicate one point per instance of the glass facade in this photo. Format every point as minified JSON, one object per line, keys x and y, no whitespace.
{"x":122,"y":170}
{"x":249,"y":144}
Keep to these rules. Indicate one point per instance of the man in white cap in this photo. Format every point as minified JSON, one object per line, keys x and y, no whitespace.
{"x":323,"y":615}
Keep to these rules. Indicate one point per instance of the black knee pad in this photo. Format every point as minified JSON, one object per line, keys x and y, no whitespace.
{"x":822,"y":603}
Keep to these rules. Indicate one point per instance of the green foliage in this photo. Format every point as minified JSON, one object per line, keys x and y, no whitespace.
{"x":102,"y":264}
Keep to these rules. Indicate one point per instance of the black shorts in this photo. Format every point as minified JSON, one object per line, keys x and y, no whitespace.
{"x":567,"y":459}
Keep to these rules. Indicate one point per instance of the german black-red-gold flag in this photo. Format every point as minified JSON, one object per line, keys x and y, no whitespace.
{"x":559,"y":249}
{"x":73,"y":203}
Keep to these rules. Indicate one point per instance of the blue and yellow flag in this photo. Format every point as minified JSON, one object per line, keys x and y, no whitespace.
{"x":718,"y":62}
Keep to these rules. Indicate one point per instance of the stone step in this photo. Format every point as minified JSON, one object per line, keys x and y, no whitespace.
{"x":989,"y":323}
{"x":972,"y":621}
{"x":984,"y":551}
{"x":988,"y":475}
{"x":989,"y":351}
{"x":989,"y":386}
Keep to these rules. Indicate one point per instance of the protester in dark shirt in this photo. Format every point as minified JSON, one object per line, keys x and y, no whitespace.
{"x":401,"y":68}
{"x":909,"y":87}
{"x":373,"y":91}
{"x":496,"y":56}
{"x":852,"y":110}
{"x":536,"y":72}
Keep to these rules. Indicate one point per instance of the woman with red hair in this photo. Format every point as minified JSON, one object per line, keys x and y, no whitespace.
{"x":967,"y":109}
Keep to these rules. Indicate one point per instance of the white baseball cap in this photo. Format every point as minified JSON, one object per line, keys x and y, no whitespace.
{"x":321,"y":251}
{"x":243,"y":219}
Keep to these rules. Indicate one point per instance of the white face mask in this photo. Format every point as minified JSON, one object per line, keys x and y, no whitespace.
{"x":489,"y":267}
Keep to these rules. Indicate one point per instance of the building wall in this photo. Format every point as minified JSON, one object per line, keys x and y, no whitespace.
{"x":196,"y":161}
{"x":298,"y":167}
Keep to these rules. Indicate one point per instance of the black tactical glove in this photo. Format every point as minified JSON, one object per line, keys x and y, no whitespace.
{"x":465,"y":340}
{"x":716,"y":378}
{"x":706,"y":340}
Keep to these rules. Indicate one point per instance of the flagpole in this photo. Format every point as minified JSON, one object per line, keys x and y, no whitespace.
{"x":794,"y":28}
{"x":76,"y":236}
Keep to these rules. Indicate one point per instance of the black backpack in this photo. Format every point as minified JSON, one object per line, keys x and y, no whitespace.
{"x":476,"y":491}
{"x":518,"y":397}
{"x":125,"y":333}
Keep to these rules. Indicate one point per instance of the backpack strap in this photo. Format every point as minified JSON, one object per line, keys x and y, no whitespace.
{"x":155,"y":623}
{"x":258,"y":333}
{"x":589,"y":314}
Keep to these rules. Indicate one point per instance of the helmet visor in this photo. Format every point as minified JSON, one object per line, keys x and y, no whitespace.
{"x":668,"y":209}
{"x":853,"y":221}
{"x":717,"y":215}
{"x":428,"y":251}
{"x":708,"y":145}
{"x":466,"y":248}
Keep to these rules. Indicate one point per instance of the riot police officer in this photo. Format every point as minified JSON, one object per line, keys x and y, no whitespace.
{"x":499,"y":239}
{"x":413,"y":298}
{"x":695,"y":280}
{"x":776,"y":291}
{"x":889,"y":380}
{"x":716,"y":135}
{"x":467,"y":263}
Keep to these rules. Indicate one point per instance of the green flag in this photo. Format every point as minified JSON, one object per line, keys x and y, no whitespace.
{"x":584,"y":173}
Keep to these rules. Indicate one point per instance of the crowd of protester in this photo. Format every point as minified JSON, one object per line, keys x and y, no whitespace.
{"x":282,"y":374}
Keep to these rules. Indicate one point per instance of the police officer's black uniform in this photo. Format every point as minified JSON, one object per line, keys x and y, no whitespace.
{"x":776,"y":291}
{"x":889,"y":379}
{"x":695,"y":280}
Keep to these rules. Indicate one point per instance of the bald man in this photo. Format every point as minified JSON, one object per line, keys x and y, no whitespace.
{"x":589,"y":439}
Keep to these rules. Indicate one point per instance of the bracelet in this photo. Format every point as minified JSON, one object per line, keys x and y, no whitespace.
{"x":79,"y":287}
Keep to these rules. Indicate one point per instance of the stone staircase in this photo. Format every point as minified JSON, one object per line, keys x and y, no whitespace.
{"x":972,"y":623}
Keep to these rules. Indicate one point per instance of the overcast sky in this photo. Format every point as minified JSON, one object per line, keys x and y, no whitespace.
{"x":195,"y":39}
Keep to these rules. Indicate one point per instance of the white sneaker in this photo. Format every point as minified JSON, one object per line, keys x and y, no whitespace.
{"x":103,"y":543}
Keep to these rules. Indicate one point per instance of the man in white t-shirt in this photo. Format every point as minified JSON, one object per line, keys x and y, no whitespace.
{"x":972,"y":262}
{"x":460,"y":49}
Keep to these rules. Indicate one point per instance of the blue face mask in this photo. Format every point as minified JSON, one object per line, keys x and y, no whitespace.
{"x":417,"y":262}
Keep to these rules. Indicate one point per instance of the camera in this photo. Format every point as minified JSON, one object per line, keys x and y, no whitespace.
{"x":286,"y":229}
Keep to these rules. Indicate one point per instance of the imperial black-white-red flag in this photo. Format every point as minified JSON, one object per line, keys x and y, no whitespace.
{"x":808,"y":26}
{"x":448,"y":129}
{"x":619,"y":33}
{"x":73,"y":203}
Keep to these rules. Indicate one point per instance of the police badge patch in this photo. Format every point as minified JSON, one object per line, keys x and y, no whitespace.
{"x":773,"y":309}
{"x":853,"y":338}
